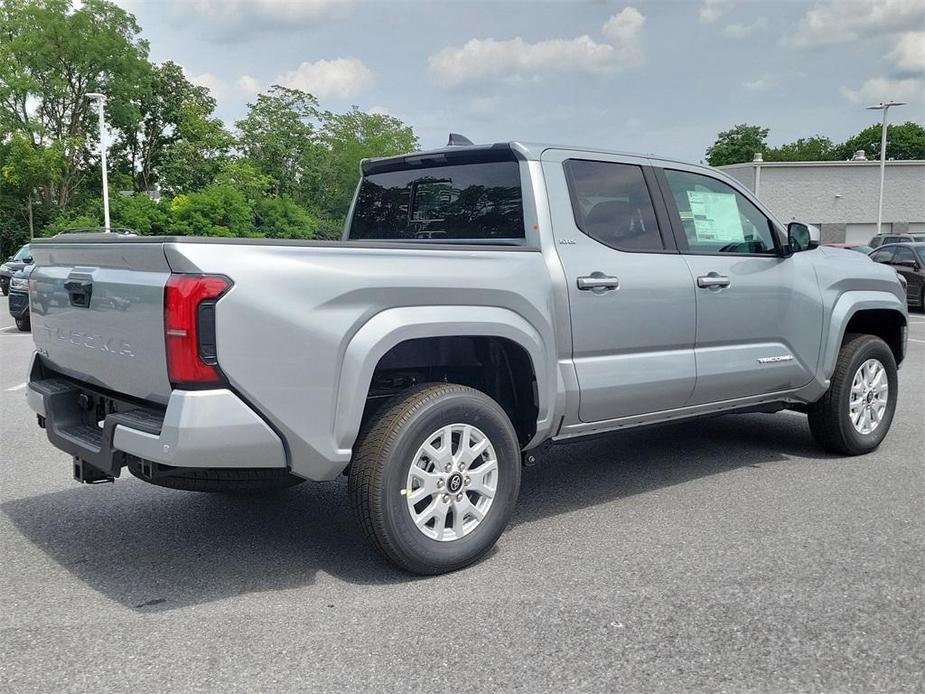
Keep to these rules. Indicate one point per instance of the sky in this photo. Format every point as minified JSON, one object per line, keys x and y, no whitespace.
{"x":650,"y":77}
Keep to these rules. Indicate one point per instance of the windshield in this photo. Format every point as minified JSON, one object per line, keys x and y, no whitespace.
{"x":22,"y":253}
{"x":467,"y":201}
{"x":921,"y":253}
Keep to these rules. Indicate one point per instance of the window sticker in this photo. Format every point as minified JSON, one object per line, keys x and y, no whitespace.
{"x":716,"y":216}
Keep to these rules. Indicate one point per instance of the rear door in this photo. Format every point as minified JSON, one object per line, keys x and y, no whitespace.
{"x":907,"y":264}
{"x":97,"y":312}
{"x":759,"y":314}
{"x":630,"y":294}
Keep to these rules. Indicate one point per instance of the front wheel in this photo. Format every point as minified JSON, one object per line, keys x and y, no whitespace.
{"x":24,"y":323}
{"x":435,"y":477}
{"x":855,"y":414}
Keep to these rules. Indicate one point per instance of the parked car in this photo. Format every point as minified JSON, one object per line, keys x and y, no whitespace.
{"x":486,"y":302}
{"x":908,"y":259}
{"x":14,"y":264}
{"x":883,"y":239}
{"x":19,"y":298}
{"x":860,"y":248}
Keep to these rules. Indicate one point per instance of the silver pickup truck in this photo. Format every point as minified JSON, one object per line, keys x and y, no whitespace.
{"x":485,"y":302}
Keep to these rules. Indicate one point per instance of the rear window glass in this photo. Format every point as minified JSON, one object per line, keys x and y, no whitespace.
{"x":442,"y":203}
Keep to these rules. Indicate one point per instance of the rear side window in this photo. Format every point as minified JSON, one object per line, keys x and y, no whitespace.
{"x":884,"y":255}
{"x":463,"y":202}
{"x":612,"y":205}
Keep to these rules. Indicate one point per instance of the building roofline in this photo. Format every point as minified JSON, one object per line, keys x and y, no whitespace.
{"x":784,"y":164}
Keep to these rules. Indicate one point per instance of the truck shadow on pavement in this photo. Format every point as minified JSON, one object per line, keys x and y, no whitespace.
{"x":155,"y":549}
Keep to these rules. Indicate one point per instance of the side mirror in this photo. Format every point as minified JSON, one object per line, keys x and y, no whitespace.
{"x":27,"y":261}
{"x":802,"y":237}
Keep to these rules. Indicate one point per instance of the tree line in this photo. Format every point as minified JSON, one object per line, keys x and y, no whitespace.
{"x":740,"y":144}
{"x":287,"y":169}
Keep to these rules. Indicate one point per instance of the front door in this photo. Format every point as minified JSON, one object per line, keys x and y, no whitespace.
{"x":759,"y":314}
{"x":631,"y":297}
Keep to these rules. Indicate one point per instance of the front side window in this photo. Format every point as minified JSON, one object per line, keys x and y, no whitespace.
{"x":474,"y":201}
{"x":716,"y":218}
{"x":612,"y":205}
{"x":903,"y":253}
{"x":22,"y":253}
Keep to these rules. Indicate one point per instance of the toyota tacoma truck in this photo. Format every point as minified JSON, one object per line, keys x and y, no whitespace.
{"x":485,"y":302}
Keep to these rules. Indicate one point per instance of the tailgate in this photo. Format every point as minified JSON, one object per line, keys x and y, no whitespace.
{"x":98,"y":313}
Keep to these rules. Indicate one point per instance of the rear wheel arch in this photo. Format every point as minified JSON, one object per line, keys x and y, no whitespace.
{"x":504,"y":336}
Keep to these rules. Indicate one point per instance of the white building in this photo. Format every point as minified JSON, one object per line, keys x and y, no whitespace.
{"x":840,"y":197}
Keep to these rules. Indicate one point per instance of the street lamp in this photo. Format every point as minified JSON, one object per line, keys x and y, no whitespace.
{"x":101,"y":103}
{"x":883,"y":106}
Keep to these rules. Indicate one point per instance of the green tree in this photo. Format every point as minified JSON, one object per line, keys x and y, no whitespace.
{"x":199,"y":150}
{"x":283,"y":218}
{"x":346,"y":139}
{"x":737,"y":145}
{"x":217,"y":210}
{"x":904,"y":141}
{"x":166,"y":101}
{"x":140,"y":213}
{"x":51,"y":56}
{"x":815,"y":148}
{"x":26,"y":168}
{"x":242,"y":175}
{"x":278,"y":136}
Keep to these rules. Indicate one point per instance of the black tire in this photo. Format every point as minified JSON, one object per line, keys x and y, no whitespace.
{"x":382,"y":460}
{"x":6,"y":292}
{"x":828,"y":418}
{"x":231,"y":481}
{"x":24,"y":323}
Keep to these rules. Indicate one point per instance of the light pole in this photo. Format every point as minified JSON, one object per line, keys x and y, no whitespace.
{"x":101,"y":103}
{"x":883,"y":106}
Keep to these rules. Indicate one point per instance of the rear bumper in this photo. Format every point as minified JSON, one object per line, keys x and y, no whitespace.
{"x":19,"y":304}
{"x":198,"y":429}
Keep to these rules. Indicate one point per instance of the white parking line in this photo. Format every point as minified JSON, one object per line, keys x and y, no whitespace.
{"x":19,"y":387}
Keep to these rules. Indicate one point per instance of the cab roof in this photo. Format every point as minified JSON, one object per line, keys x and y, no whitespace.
{"x":498,"y":151}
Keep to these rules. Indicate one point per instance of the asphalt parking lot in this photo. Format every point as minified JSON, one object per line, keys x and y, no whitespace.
{"x":726,"y":555}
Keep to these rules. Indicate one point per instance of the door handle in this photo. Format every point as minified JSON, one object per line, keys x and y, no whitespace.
{"x":712,"y":280}
{"x":598,"y":280}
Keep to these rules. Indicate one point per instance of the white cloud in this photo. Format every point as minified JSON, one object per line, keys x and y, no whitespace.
{"x":215,"y":84}
{"x":711,"y":10}
{"x":841,"y":21}
{"x":909,"y":54}
{"x":624,"y":33}
{"x":340,"y":78}
{"x":882,"y":89}
{"x":378,"y":111}
{"x":514,"y":59}
{"x":759,"y":85}
{"x":229,"y":19}
{"x":248,"y":85}
{"x":740,"y":31}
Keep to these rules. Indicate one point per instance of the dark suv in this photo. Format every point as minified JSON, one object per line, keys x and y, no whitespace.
{"x":908,"y":259}
{"x":19,"y":298}
{"x":883,"y":239}
{"x":14,"y":264}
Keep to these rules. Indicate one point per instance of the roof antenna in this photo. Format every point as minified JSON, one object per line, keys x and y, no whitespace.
{"x":457,"y":140}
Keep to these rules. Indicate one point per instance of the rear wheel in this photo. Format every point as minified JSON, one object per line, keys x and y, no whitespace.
{"x":854,"y":416}
{"x":24,"y":323}
{"x":435,"y":477}
{"x":232,"y":481}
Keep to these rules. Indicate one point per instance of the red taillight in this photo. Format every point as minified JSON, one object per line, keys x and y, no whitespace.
{"x":183,"y":297}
